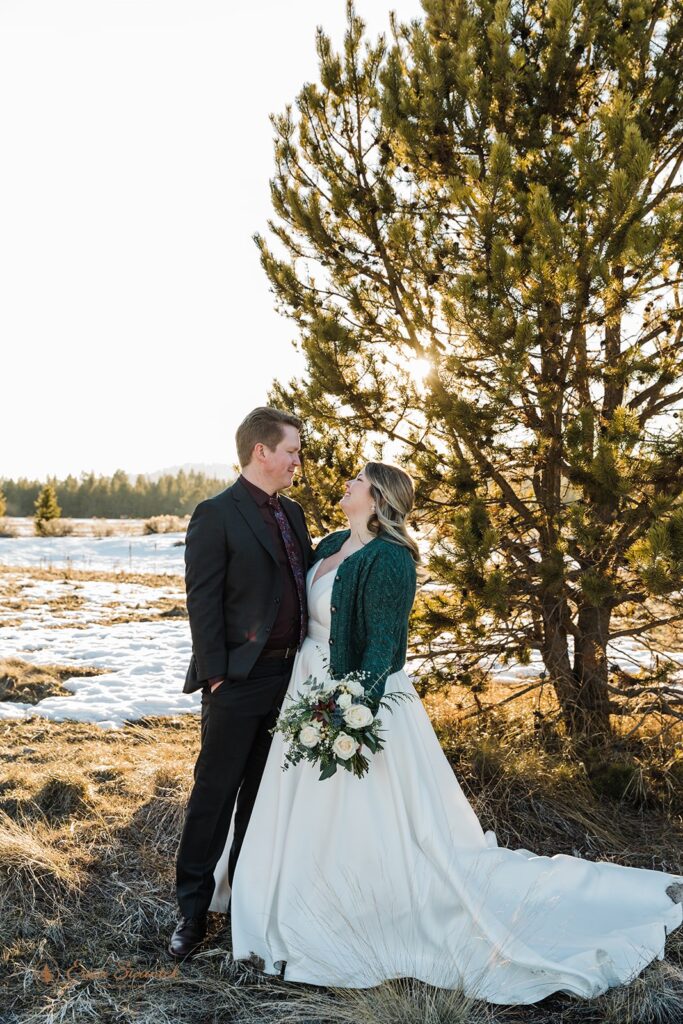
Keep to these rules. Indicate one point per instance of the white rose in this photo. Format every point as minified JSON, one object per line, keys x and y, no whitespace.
{"x":345,"y":746}
{"x":358,"y":716}
{"x":354,"y":687}
{"x":309,"y":736}
{"x":345,"y":701}
{"x":329,"y":685}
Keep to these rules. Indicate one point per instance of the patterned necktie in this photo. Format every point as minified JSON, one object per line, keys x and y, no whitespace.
{"x":294,"y":561}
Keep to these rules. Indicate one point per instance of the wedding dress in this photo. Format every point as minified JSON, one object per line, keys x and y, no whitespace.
{"x":353,"y":881}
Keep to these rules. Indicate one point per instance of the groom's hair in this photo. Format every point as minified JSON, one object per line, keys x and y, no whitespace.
{"x":262,"y":425}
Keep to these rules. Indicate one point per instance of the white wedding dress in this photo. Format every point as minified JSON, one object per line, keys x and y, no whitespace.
{"x":354,"y":881}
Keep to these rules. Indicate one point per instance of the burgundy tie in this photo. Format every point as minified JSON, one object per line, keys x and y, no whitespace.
{"x":294,"y":561}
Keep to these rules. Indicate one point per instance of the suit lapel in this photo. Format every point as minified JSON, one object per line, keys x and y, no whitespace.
{"x":252,"y":516}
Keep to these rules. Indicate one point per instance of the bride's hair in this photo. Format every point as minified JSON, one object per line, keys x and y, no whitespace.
{"x":393,"y":493}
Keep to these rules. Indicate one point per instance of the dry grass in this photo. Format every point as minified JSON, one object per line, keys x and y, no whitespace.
{"x":93,"y":526}
{"x":166,"y":524}
{"x":53,"y":527}
{"x":524,"y":740}
{"x":16,"y":597}
{"x":146,"y":579}
{"x":8,"y":529}
{"x":163,"y":608}
{"x":88,"y":836}
{"x":66,"y":603}
{"x":36,"y":881}
{"x":28,"y":684}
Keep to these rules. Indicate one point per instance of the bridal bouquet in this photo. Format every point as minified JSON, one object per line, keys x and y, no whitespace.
{"x":328,"y":723}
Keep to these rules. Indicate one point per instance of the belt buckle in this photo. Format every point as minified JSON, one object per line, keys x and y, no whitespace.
{"x":290,"y":652}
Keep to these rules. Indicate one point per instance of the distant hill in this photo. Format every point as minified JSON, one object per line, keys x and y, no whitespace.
{"x":216,"y":470}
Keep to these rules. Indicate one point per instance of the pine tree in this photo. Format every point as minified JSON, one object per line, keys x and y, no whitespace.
{"x":3,"y":504}
{"x":478,"y":232}
{"x":46,"y":507}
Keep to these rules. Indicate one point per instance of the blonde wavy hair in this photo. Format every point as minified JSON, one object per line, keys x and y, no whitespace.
{"x":392,"y":490}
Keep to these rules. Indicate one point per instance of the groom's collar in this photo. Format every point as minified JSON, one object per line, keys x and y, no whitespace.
{"x":260,"y":496}
{"x":252,"y":514}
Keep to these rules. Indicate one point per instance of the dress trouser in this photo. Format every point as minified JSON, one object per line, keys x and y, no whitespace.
{"x":235,"y":740}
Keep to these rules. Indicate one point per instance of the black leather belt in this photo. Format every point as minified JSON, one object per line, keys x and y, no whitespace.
{"x":280,"y":652}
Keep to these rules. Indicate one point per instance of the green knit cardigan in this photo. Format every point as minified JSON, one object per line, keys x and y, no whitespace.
{"x":372,"y":594}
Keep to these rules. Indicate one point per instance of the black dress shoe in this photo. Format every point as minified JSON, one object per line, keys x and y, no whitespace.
{"x":187,"y":937}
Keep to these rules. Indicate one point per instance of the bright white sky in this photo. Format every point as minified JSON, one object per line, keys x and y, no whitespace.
{"x":136,"y":324}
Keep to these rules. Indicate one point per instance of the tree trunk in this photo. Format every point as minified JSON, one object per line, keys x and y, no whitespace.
{"x":582,"y":688}
{"x":591,"y":709}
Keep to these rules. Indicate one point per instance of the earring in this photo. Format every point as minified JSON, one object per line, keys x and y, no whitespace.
{"x":373,"y":509}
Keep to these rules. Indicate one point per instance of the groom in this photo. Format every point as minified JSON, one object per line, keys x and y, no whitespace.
{"x":247,"y":551}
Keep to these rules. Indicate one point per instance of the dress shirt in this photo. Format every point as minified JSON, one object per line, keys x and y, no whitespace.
{"x":285,"y":631}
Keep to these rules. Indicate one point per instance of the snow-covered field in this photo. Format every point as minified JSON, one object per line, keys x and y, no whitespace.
{"x":155,"y":553}
{"x":145,"y":661}
{"x":68,"y":621}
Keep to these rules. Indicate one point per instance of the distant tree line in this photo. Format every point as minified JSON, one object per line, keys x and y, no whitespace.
{"x":112,"y":496}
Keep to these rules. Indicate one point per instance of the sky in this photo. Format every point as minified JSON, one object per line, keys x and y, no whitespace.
{"x":136,"y":324}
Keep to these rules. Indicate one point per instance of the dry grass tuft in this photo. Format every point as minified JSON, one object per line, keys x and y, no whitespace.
{"x":103,"y":529}
{"x":54,"y":527}
{"x":401,"y":1000}
{"x":656,"y":997}
{"x":160,"y":820}
{"x":27,"y":683}
{"x":65,"y":794}
{"x":35,"y":879}
{"x":7,"y":529}
{"x":166,"y":524}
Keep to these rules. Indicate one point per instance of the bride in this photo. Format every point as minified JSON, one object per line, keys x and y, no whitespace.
{"x":348,"y":882}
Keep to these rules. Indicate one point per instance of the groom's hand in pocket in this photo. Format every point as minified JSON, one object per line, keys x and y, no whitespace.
{"x":215,"y":682}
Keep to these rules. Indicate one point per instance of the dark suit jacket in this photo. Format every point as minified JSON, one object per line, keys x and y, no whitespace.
{"x":233,"y":582}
